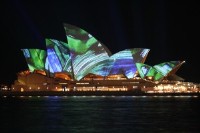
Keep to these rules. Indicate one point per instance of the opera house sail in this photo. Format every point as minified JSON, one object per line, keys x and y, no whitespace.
{"x":84,"y":62}
{"x":86,"y":51}
{"x":157,"y":72}
{"x":35,"y":58}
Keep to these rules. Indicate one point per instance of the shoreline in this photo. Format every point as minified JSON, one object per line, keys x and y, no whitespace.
{"x":92,"y":93}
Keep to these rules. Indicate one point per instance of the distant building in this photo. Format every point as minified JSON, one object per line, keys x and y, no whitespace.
{"x":85,"y":64}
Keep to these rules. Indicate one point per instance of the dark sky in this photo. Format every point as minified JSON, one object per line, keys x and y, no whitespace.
{"x":169,"y":28}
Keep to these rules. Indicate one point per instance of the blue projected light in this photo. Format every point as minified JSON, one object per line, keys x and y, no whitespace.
{"x":85,"y":50}
{"x":26,"y":53}
{"x":102,"y":68}
{"x":123,"y":63}
{"x":53,"y":61}
{"x":83,"y":54}
{"x":62,"y":52}
{"x":144,"y":70}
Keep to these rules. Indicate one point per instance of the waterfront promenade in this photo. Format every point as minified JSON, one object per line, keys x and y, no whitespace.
{"x":92,"y":93}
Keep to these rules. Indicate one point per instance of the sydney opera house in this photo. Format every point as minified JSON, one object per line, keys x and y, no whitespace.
{"x":85,"y":64}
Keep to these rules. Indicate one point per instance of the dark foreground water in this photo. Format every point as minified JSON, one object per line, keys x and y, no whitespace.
{"x":99,"y":114}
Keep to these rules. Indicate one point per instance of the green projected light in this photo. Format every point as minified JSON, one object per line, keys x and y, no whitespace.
{"x":86,"y":51}
{"x":143,"y":69}
{"x":157,"y":72}
{"x":123,"y":63}
{"x":61,"y":56}
{"x":80,"y":46}
{"x":35,"y":58}
{"x":83,"y":54}
{"x":81,"y":41}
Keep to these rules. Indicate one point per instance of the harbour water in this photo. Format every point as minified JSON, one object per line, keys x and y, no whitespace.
{"x":99,"y":114}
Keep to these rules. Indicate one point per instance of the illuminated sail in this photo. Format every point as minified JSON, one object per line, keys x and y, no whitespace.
{"x":86,"y":51}
{"x":35,"y":58}
{"x":58,"y":56}
{"x":157,"y":72}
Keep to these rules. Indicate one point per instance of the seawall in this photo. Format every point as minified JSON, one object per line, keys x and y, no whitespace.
{"x":92,"y":93}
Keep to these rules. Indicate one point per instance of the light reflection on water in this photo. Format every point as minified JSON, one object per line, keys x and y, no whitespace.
{"x":82,"y":114}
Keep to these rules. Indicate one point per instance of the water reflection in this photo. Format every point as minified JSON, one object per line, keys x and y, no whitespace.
{"x":99,"y":114}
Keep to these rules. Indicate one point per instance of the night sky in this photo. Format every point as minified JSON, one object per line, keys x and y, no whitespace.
{"x":169,"y":28}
